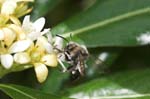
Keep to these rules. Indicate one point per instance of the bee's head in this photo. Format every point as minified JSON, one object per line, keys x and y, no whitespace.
{"x":71,"y":45}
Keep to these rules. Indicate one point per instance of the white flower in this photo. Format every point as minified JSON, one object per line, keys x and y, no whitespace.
{"x":41,"y":66}
{"x":42,"y":56}
{"x":24,"y":38}
{"x":43,"y":46}
{"x":9,"y":6}
{"x":9,"y":45}
{"x":19,"y":46}
{"x":29,"y":44}
{"x":30,"y":30}
{"x":33,"y":29}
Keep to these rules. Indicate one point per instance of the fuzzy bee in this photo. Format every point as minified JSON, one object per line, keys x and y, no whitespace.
{"x":75,"y":55}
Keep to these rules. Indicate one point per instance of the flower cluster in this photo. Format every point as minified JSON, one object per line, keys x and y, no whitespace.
{"x":27,"y":43}
{"x":11,"y":10}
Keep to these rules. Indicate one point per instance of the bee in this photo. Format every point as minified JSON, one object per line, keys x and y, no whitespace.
{"x":75,"y":55}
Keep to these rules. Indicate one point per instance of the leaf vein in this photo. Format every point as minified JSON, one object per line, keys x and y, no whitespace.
{"x":108,"y":21}
{"x":19,"y":91}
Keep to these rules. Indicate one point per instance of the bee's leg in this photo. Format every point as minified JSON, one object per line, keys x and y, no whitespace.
{"x":59,"y":50}
{"x":71,"y":68}
{"x":62,"y":65}
{"x":80,"y":67}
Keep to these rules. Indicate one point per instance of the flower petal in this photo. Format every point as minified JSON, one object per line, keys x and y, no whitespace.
{"x":44,"y":45}
{"x":48,"y":47}
{"x":33,"y":29}
{"x":33,"y":35}
{"x":49,"y":37}
{"x":22,"y":58}
{"x":26,"y":21}
{"x":20,"y":46}
{"x":18,"y":30}
{"x":58,"y":43}
{"x":40,"y":44}
{"x":45,"y":31}
{"x":1,"y":35}
{"x":50,"y":60}
{"x":9,"y":36}
{"x":7,"y":60}
{"x":8,"y":7}
{"x":41,"y":72}
{"x":27,"y":25}
{"x":39,"y":24}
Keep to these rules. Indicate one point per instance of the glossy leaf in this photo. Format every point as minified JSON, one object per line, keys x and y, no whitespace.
{"x":109,"y":23}
{"x":129,"y":84}
{"x":54,"y":82}
{"x":20,"y":92}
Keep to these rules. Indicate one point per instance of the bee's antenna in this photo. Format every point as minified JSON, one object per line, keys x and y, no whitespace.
{"x":62,"y":37}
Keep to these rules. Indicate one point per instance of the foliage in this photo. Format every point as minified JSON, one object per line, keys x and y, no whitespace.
{"x":118,"y":29}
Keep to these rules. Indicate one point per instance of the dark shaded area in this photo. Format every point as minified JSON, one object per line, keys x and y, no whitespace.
{"x":133,"y":57}
{"x":63,"y":11}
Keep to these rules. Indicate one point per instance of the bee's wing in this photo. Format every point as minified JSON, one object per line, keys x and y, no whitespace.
{"x":95,"y":65}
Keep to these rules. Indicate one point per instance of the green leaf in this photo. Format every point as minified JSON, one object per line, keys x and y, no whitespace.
{"x":109,"y":23}
{"x":42,"y":7}
{"x":129,"y":84}
{"x":54,"y":82}
{"x":14,"y":68}
{"x":20,"y":92}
